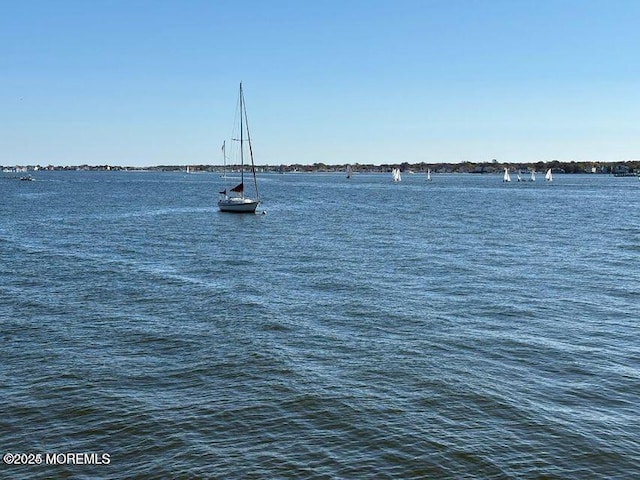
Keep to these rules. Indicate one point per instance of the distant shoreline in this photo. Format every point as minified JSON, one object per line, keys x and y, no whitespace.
{"x":626,"y":168}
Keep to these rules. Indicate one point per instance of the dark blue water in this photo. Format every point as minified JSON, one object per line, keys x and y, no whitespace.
{"x":462,"y":328}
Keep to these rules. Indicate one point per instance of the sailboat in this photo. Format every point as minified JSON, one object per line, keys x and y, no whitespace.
{"x":348,"y":171}
{"x":548,"y":176}
{"x":506,"y":177}
{"x":395,"y":175}
{"x":234,"y":199}
{"x":428,"y":174}
{"x":533,"y":176}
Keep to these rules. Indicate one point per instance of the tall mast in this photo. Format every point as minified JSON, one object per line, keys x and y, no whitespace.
{"x":241,"y":141}
{"x":253,"y":168}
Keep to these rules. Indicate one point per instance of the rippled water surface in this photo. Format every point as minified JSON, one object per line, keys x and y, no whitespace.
{"x":462,"y":328}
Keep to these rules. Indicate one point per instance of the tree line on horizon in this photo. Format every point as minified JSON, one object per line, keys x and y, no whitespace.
{"x":630,"y":166}
{"x":622,"y":167}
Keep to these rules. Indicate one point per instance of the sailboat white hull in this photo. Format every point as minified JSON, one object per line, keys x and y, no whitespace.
{"x":238,"y":205}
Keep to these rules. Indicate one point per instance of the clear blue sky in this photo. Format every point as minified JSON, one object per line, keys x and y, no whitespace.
{"x":150,"y":82}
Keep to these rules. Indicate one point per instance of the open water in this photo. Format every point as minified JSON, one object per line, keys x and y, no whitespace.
{"x":462,"y":328}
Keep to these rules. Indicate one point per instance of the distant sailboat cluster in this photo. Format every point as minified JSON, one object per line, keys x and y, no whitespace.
{"x":532,"y":177}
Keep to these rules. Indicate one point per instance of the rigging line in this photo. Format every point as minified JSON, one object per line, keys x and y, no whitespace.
{"x":253,"y":168}
{"x":241,"y":140}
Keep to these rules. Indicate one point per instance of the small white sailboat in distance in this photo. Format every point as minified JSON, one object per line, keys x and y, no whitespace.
{"x":348,"y":171}
{"x":428,"y":174}
{"x":395,"y":175}
{"x":548,"y":176}
{"x":234,"y":200}
{"x":533,"y":176}
{"x":506,"y":177}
